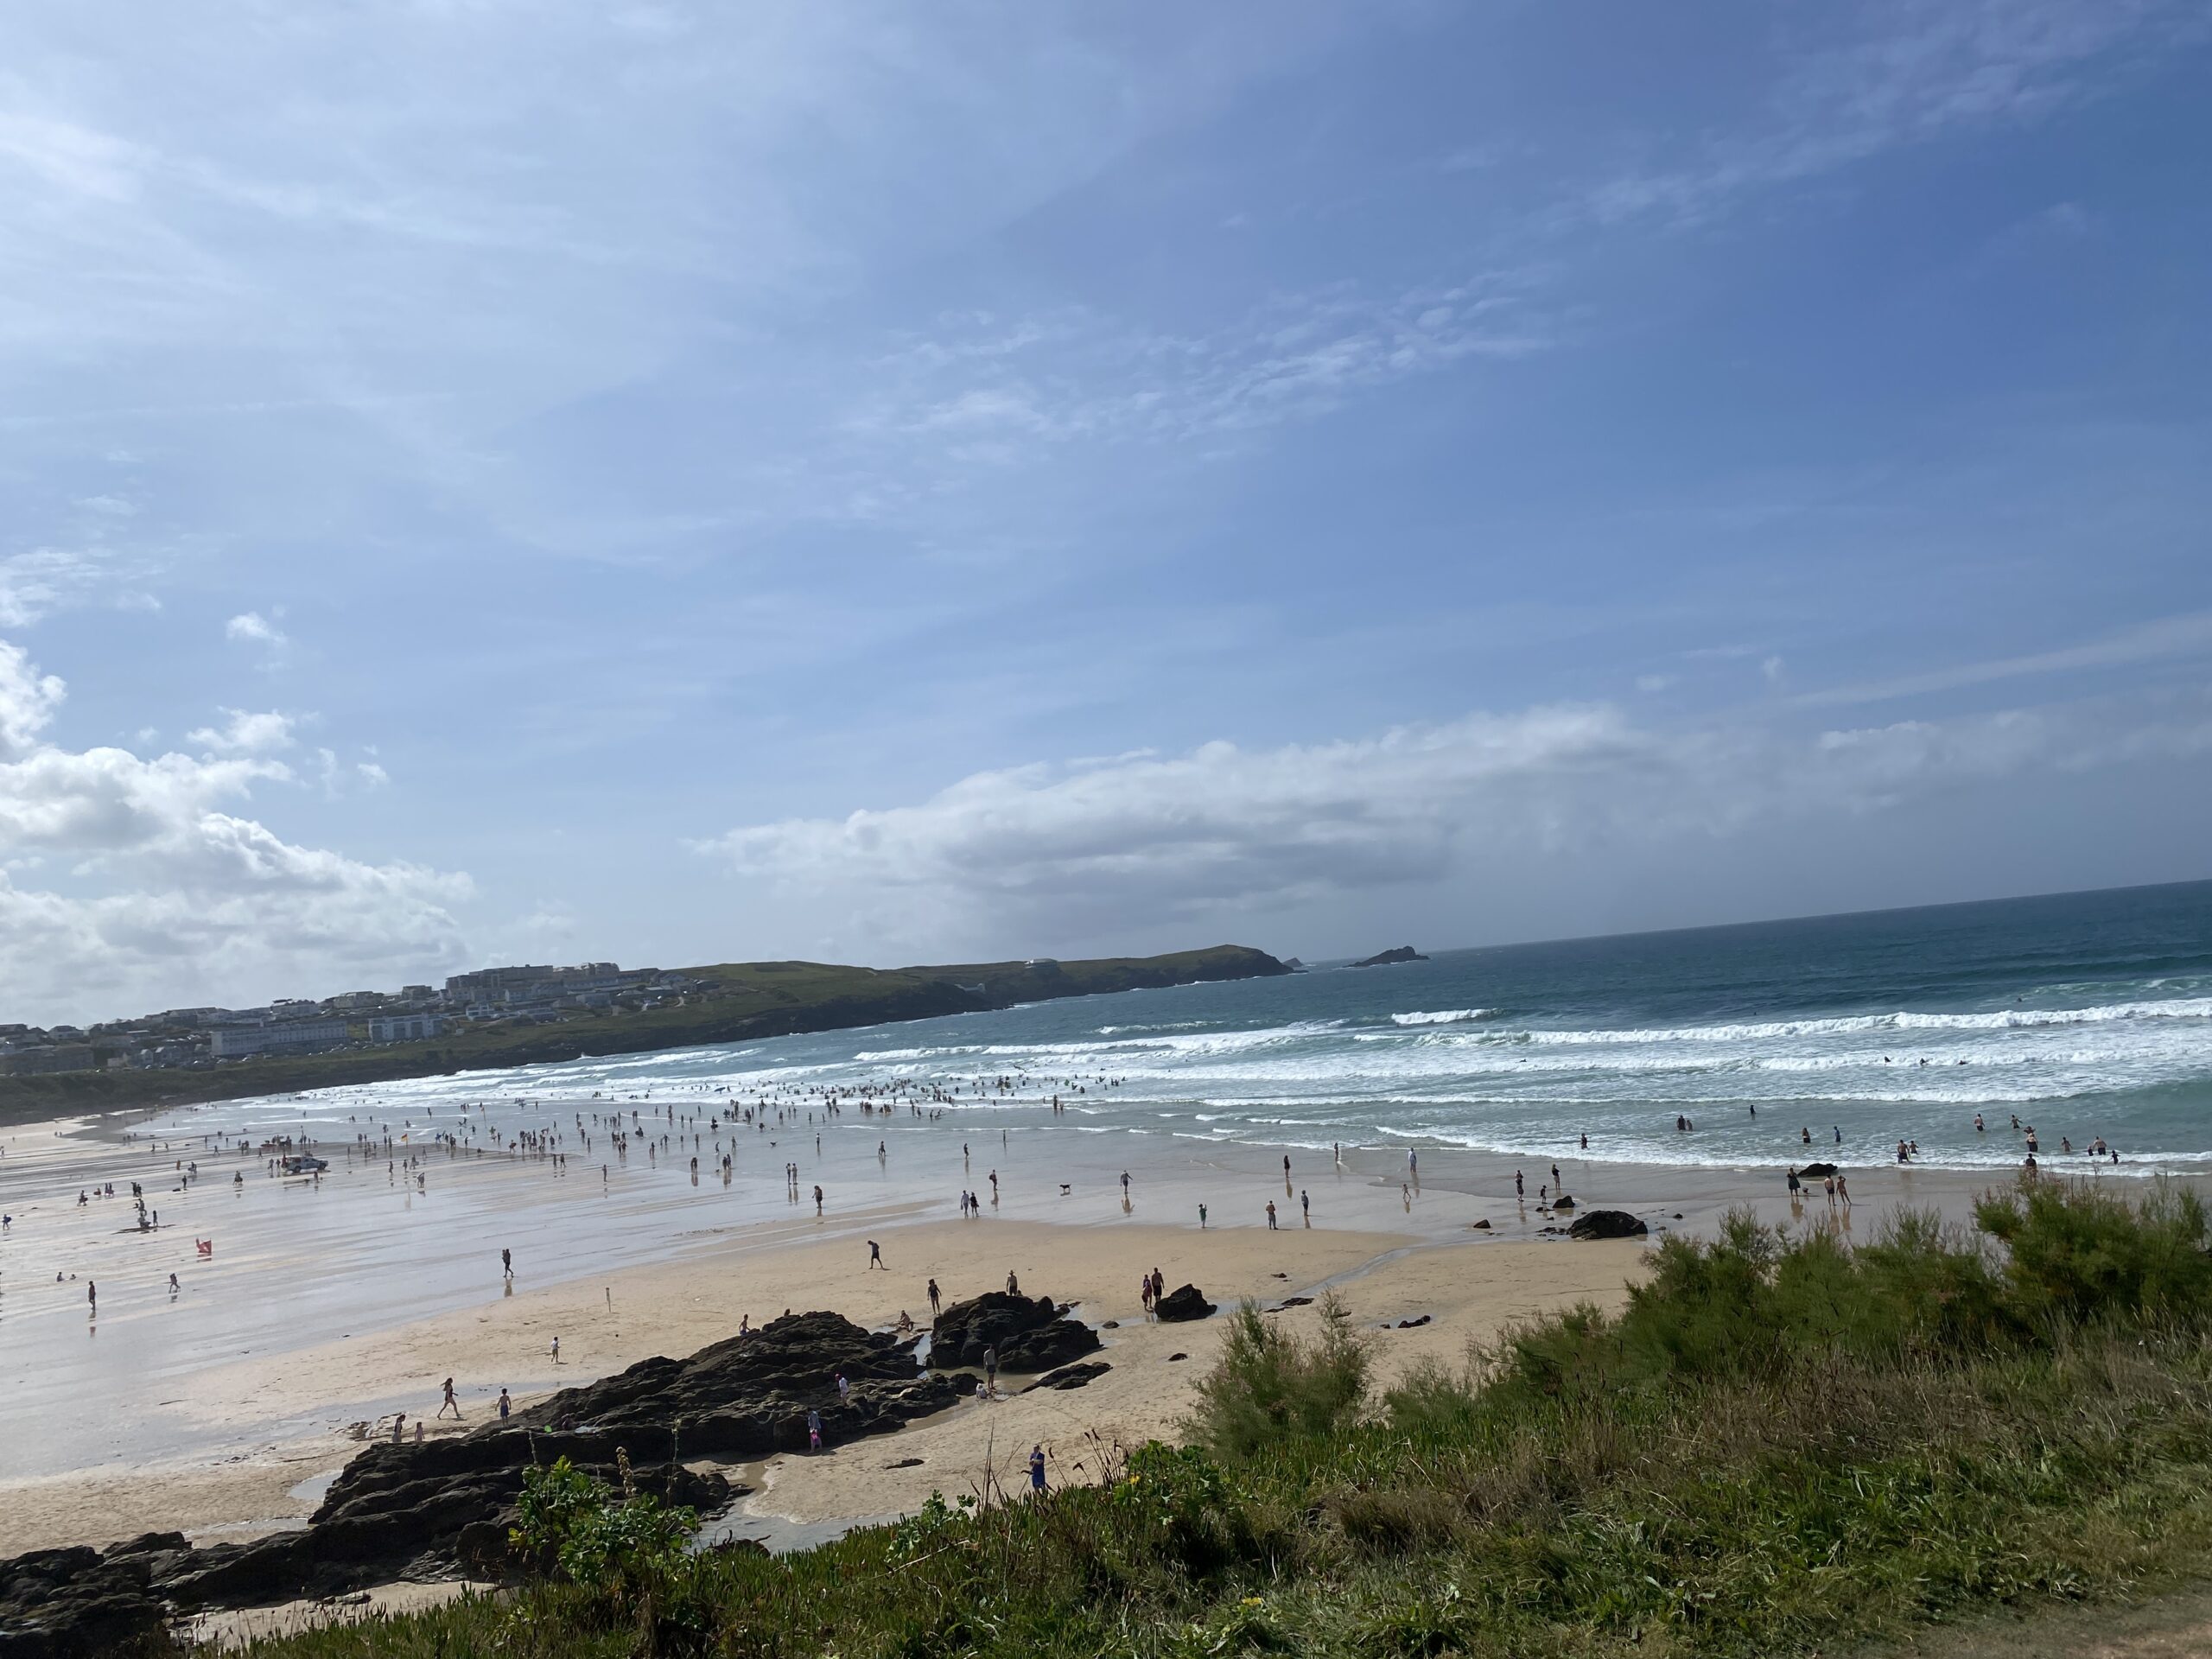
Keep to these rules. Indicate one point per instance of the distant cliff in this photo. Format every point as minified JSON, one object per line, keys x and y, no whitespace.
{"x":1390,"y":958}
{"x":739,"y":1001}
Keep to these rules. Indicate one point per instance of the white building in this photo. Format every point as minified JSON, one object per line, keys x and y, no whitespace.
{"x":403,"y":1028}
{"x":235,"y":1042}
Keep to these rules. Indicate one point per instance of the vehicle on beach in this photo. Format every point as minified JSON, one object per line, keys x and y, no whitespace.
{"x":304,"y":1163}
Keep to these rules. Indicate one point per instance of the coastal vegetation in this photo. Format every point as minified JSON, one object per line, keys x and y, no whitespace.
{"x":1782,"y":1443}
{"x":737,"y":1001}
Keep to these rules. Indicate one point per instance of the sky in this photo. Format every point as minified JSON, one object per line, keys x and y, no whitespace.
{"x":487,"y":481}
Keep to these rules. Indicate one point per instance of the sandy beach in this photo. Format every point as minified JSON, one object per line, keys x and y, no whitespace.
{"x":223,"y":1410}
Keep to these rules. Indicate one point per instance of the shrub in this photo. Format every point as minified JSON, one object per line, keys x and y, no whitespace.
{"x":629,"y":1550}
{"x":2077,"y":1253}
{"x":1270,"y":1386}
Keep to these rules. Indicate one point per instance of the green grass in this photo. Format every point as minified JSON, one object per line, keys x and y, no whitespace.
{"x":1779,"y":1446}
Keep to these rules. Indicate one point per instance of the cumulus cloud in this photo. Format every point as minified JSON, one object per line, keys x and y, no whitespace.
{"x":172,"y":893}
{"x":1147,"y":837}
{"x":246,"y":734}
{"x":252,"y":628}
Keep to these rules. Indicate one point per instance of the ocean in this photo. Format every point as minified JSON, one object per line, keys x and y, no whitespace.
{"x":2081,"y":1014}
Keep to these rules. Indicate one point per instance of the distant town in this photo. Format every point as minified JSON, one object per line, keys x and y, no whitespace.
{"x":198,"y":1037}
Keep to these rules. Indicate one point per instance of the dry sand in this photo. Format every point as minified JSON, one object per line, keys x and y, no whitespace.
{"x":1468,"y":1289}
{"x":225,"y":1413}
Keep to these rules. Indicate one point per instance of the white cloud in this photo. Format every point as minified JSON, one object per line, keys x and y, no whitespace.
{"x":987,"y":390}
{"x":46,"y":579}
{"x":170,"y":894}
{"x":2184,"y":636}
{"x":1771,"y":670}
{"x":1141,"y":839}
{"x":252,"y":628}
{"x":246,"y":734}
{"x":1927,"y":68}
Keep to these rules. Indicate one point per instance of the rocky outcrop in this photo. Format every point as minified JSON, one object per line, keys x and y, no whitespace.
{"x":442,"y":1506}
{"x":1028,"y":1333}
{"x":1391,"y":958}
{"x":1607,"y":1223}
{"x":74,"y":1604}
{"x":1072,"y":1377}
{"x":1184,"y":1302}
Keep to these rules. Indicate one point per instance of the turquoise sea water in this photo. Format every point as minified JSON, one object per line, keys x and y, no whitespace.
{"x":2084,"y":1015}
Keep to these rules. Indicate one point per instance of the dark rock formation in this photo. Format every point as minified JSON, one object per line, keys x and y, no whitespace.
{"x":1482,"y":1226}
{"x":1028,"y":1333}
{"x":74,"y":1604}
{"x":1391,"y":958}
{"x":1072,"y":1377}
{"x":1816,"y":1171}
{"x":1562,"y":1201}
{"x":1607,"y":1223}
{"x":427,"y":1511}
{"x":1172,"y":1358}
{"x":1296,"y":1301}
{"x":1184,"y":1302}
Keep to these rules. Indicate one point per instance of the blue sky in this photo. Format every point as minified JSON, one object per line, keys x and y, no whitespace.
{"x":494,"y":481}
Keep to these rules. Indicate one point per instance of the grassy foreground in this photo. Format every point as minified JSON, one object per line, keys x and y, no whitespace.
{"x":1782,"y":1444}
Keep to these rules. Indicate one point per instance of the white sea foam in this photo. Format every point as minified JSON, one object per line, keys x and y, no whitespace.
{"x":1444,"y":1017}
{"x":1998,"y":1020}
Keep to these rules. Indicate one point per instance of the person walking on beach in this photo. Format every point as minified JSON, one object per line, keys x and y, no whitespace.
{"x":936,"y":1300}
{"x":1202,"y":1217}
{"x":506,"y":1405}
{"x":398,"y":1426}
{"x":1125,"y":1185}
{"x":507,"y":1263}
{"x":1827,"y":1185}
{"x":1519,"y":1190}
{"x":1306,"y":1205}
{"x":991,"y":1369}
{"x":557,"y":1350}
{"x":813,"y":1431}
{"x":92,"y":1295}
{"x":1271,"y":1215}
{"x":451,"y":1403}
{"x":1842,"y":1193}
{"x":817,"y":1199}
{"x":1013,"y":1285}
{"x":1036,"y":1470}
{"x":875,"y":1256}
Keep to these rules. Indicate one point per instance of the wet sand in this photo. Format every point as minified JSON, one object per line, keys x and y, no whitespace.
{"x":326,"y":1306}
